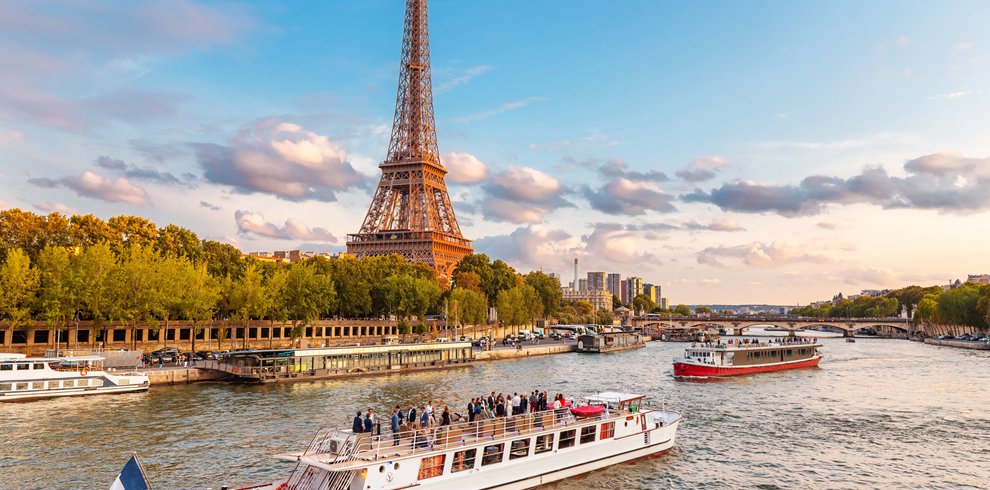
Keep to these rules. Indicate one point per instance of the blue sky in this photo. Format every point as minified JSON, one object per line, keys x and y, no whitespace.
{"x":729,"y":151}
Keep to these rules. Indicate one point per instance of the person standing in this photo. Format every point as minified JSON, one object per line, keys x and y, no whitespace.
{"x":445,"y":416}
{"x":396,"y":417}
{"x":429,"y":412}
{"x":356,"y":426}
{"x":411,"y":414}
{"x":424,"y":420}
{"x":369,"y":422}
{"x":470,"y":410}
{"x":491,"y":400}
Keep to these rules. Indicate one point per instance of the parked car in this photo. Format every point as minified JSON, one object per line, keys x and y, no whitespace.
{"x":206,"y":354}
{"x":556,"y":336}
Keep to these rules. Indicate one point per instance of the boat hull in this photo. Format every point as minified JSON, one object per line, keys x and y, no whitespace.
{"x":59,"y":393}
{"x":707,"y":370}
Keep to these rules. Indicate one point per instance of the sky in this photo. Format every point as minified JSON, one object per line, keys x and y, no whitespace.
{"x":731,"y":152}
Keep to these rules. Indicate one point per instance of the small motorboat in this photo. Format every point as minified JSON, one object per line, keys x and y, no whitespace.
{"x":588,"y":410}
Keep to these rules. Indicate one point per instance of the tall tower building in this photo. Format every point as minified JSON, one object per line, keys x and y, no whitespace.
{"x":596,"y":281}
{"x":613,"y":284}
{"x":634,"y":287}
{"x":411,"y":214}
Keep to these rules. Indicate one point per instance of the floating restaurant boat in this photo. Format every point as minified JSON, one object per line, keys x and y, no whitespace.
{"x":25,"y":378}
{"x":273,"y":365}
{"x":523,"y":451}
{"x":609,"y":342}
{"x":735,"y":358}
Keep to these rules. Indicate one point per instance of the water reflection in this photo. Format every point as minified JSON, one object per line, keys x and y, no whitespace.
{"x":875,"y":414}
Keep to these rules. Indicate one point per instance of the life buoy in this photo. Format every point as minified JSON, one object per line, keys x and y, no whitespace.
{"x":84,"y":371}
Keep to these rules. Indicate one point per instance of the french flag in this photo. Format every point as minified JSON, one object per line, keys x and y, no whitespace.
{"x":131,"y":477}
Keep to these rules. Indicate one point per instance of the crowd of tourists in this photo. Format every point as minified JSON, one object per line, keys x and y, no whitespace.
{"x":756,"y":342}
{"x":479,"y":408}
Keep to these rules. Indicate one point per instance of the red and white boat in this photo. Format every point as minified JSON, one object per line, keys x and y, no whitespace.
{"x":735,"y":358}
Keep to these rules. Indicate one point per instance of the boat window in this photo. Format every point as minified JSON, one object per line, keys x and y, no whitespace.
{"x":789,"y":352}
{"x":20,"y":386}
{"x":756,"y":355}
{"x":6,"y":386}
{"x":463,"y":460}
{"x":492,"y":454}
{"x":23,"y":366}
{"x":519,"y":448}
{"x":566,"y":439}
{"x":431,"y":466}
{"x":39,"y":365}
{"x":608,"y":430}
{"x":544,"y":443}
{"x":6,"y":367}
{"x":588,"y":434}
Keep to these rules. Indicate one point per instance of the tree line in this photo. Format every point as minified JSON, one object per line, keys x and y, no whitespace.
{"x":129,"y":271}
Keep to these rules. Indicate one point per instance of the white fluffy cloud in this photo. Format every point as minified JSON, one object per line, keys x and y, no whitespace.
{"x":95,"y":186}
{"x":254,"y":223}
{"x":464,"y":168}
{"x":522,"y":195}
{"x":758,"y":254}
{"x":282,"y":159}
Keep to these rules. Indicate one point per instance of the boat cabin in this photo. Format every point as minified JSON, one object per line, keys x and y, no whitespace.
{"x":617,"y":401}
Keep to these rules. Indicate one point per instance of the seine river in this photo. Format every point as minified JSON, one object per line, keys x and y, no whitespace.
{"x":876,"y":414}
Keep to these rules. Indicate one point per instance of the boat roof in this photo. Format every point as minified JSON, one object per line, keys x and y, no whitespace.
{"x":748,"y":347}
{"x":612,"y":397}
{"x":22,"y":357}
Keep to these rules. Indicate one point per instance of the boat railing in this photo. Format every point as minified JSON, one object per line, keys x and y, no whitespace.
{"x":439,"y":437}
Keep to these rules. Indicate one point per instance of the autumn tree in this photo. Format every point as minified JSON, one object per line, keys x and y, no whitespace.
{"x":18,"y":285}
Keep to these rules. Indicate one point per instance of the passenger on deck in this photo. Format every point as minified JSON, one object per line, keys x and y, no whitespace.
{"x":396,"y":417}
{"x":369,"y":422}
{"x":356,"y":426}
{"x":445,"y":416}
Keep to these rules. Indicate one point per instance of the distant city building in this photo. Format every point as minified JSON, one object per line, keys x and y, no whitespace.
{"x":653,"y":292}
{"x":623,"y":292}
{"x":979,"y":278}
{"x":613,"y":284}
{"x":600,"y":299}
{"x":290,"y":255}
{"x":582,"y":284}
{"x":634,"y":287}
{"x":596,"y":281}
{"x":554,"y":275}
{"x":874,"y":293}
{"x":663,"y":303}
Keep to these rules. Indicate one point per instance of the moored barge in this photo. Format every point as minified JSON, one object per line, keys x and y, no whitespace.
{"x":609,"y":342}
{"x":735,"y":358}
{"x":274,"y":365}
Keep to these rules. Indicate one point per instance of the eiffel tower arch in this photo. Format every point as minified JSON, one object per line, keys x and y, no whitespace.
{"x":411,"y":214}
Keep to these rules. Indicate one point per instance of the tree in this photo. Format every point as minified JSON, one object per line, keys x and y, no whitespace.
{"x":616,"y":303}
{"x":927,"y":310}
{"x":682,"y":310}
{"x":138,"y":288}
{"x":249,"y":298}
{"x":411,"y":297}
{"x":20,"y":230}
{"x":548,"y":290}
{"x":132,"y":230}
{"x":468,"y":307}
{"x":703,"y":310}
{"x":199,"y":296}
{"x":179,"y":242}
{"x":468,"y":280}
{"x":306,"y":295}
{"x":18,"y":283}
{"x":56,"y":297}
{"x":351,"y":280}
{"x":643,"y":302}
{"x":92,"y":279}
{"x":958,"y":306}
{"x":223,"y":259}
{"x":88,"y":230}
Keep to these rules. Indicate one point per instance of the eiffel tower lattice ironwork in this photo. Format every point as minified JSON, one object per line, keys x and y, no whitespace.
{"x":411,"y":214}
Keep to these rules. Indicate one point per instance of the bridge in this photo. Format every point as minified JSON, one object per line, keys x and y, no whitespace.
{"x":737,"y":324}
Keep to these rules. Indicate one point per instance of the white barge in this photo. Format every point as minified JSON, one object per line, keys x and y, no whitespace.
{"x":523,"y":451}
{"x":25,"y":378}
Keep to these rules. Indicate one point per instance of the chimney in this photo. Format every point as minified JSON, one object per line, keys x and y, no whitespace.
{"x":575,"y":275}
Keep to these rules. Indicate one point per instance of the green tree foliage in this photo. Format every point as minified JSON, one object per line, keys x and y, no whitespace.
{"x":519,"y":305}
{"x":616,"y":303}
{"x":93,"y":274}
{"x":468,"y":307}
{"x":959,"y":306}
{"x":306,"y":295}
{"x":548,"y":289}
{"x":56,"y":296}
{"x":495,"y":277}
{"x":409,"y":296}
{"x":18,"y":286}
{"x":199,"y":295}
{"x":927,"y":310}
{"x":643,"y":302}
{"x":682,"y":310}
{"x":703,"y":310}
{"x":468,"y":280}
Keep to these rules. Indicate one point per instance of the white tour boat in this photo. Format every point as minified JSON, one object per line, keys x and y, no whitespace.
{"x":25,"y":378}
{"x":522,"y":451}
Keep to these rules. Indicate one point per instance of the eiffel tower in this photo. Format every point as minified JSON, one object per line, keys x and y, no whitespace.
{"x":411,"y":214}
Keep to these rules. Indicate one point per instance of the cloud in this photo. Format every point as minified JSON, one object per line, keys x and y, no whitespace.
{"x":54,"y":207}
{"x":942,"y":181}
{"x":465,"y":168}
{"x":530,"y":246}
{"x":617,"y":244}
{"x":508,"y":106}
{"x":955,"y":95}
{"x":95,"y":186}
{"x":452,"y":79}
{"x":632,"y":198}
{"x":827,"y":226}
{"x":210,"y":206}
{"x":522,"y":195}
{"x":723,"y":224}
{"x":869,"y":275}
{"x":702,"y":168}
{"x":13,"y":136}
{"x":254,"y":223}
{"x":759,"y":254}
{"x":148,"y":174}
{"x":616,"y":168}
{"x":51,"y":54}
{"x":281,"y":159}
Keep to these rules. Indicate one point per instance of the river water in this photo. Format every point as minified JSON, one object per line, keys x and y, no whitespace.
{"x":876,"y":414}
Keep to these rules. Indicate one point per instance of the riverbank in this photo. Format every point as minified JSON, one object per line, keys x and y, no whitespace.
{"x":526,"y":351}
{"x":171,"y":376}
{"x":959,"y":344}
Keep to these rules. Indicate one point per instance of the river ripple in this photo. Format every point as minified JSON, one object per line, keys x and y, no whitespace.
{"x":876,"y":414}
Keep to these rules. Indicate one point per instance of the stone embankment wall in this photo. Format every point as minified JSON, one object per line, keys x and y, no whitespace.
{"x":174,"y":376}
{"x":535,"y":350}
